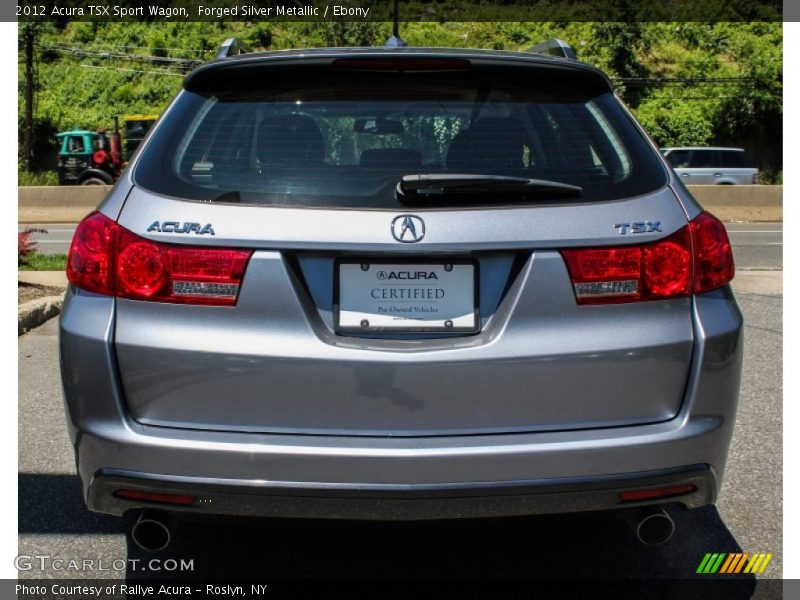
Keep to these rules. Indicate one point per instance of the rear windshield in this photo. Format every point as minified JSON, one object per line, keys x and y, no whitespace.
{"x":339,"y":139}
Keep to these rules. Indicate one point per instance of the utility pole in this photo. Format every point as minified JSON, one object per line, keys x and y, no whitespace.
{"x":28,"y":35}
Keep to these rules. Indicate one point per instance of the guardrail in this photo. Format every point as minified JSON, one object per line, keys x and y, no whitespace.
{"x":69,"y":204}
{"x":758,"y":203}
{"x":58,"y":204}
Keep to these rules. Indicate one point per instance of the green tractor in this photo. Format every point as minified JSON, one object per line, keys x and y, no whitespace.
{"x":98,"y":157}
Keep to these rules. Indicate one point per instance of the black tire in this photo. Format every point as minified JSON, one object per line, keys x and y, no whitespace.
{"x":94,"y":181}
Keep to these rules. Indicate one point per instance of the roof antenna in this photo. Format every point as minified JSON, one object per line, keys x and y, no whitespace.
{"x":395,"y":41}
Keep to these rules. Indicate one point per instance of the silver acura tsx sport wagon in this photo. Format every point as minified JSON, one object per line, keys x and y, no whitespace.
{"x":396,"y":283}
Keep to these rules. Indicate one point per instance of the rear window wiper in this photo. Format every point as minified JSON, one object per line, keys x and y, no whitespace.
{"x":439,"y":184}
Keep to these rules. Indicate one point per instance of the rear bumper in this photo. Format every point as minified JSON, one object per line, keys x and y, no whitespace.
{"x":397,"y":502}
{"x":385,"y":477}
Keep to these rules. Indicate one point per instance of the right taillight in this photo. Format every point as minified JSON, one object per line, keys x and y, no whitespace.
{"x":695,"y":259}
{"x":108,"y":259}
{"x":713,"y":256}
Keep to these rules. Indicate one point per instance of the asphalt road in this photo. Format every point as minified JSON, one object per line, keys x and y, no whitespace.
{"x":54,"y":522}
{"x":755,"y":245}
{"x":57,"y":238}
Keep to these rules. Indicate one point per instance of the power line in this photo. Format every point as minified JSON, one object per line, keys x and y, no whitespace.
{"x":123,"y":47}
{"x":185,"y":63}
{"x":692,"y":98}
{"x":131,"y":70}
{"x":649,"y":81}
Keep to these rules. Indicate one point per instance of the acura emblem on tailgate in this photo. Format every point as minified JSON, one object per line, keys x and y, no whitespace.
{"x":408,"y":228}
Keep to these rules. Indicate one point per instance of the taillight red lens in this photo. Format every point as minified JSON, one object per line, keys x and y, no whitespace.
{"x":667,"y":267}
{"x":605,"y":263}
{"x":206,"y":275}
{"x":91,"y":254}
{"x":141,"y":270}
{"x":713,"y":256}
{"x":108,"y":259}
{"x":695,"y":259}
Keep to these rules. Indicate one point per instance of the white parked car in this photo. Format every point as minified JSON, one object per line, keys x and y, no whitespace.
{"x":711,"y":166}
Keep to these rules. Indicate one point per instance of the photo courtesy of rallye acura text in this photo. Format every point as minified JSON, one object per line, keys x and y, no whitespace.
{"x":399,"y":283}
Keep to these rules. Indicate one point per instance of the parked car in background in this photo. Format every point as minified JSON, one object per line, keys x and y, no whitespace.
{"x":711,"y":166}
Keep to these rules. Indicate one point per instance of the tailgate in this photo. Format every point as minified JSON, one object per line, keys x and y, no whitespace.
{"x":275,"y":362}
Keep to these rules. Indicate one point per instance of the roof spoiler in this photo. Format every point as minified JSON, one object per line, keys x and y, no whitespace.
{"x":232,"y":47}
{"x":554,"y":47}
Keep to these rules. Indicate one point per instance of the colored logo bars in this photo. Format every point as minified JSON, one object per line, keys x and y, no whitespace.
{"x":734,"y":563}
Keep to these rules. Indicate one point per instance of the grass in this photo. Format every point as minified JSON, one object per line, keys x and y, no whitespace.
{"x":769,"y":177}
{"x":44,"y":262}
{"x":37,"y":178}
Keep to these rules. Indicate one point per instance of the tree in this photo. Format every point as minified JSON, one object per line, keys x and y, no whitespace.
{"x":674,"y":123}
{"x":28,"y":34}
{"x":621,"y":47}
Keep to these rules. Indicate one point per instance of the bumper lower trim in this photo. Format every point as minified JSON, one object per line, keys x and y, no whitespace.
{"x":397,"y":502}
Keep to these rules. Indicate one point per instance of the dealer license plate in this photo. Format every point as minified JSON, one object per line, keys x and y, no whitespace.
{"x":407,"y":296}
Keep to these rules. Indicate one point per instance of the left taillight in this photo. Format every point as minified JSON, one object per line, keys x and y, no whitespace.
{"x":108,"y":259}
{"x":91,"y":254}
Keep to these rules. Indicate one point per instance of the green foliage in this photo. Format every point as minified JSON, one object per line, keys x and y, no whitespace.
{"x":343,"y":33}
{"x":673,"y":123}
{"x":757,"y":52}
{"x":87,"y":92}
{"x":770,"y":177}
{"x":43,"y":262}
{"x":744,"y":111}
{"x":259,"y":35}
{"x":37,"y":178}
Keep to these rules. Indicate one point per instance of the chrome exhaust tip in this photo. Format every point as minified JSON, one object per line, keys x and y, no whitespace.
{"x":152,"y":531}
{"x":654,"y":526}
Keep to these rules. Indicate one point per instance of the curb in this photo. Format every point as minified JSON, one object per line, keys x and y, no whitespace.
{"x":57,"y":279}
{"x":35,"y":312}
{"x":765,"y":283}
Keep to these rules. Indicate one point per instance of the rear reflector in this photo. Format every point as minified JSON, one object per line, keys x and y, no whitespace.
{"x":695,"y":259}
{"x":108,"y":259}
{"x":177,"y":499}
{"x":662,"y":492}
